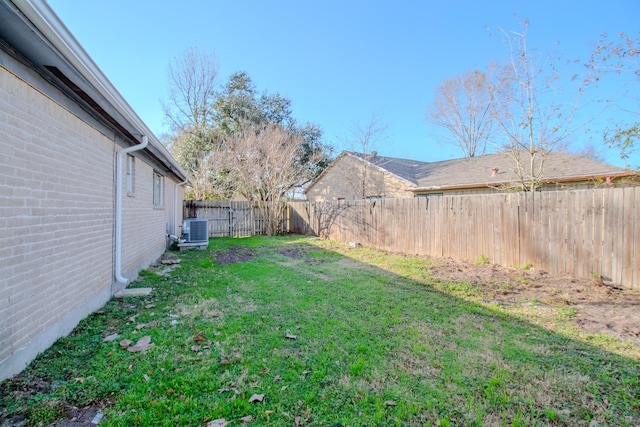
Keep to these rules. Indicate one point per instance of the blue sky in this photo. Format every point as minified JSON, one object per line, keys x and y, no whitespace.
{"x":340,"y":62}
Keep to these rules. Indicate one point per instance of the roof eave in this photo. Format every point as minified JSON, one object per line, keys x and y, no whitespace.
{"x":576,"y":178}
{"x":68,"y":48}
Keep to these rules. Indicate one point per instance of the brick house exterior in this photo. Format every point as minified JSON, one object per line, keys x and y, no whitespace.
{"x":353,"y":176}
{"x":362,"y":176}
{"x":61,"y":126}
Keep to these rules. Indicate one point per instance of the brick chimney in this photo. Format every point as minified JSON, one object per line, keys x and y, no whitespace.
{"x":494,"y":172}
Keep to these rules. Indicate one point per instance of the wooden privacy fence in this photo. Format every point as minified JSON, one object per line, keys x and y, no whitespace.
{"x":579,"y":232}
{"x":226,"y":218}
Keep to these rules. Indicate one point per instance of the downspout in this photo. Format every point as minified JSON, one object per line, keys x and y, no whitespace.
{"x":119,"y":156}
{"x":175,"y":206}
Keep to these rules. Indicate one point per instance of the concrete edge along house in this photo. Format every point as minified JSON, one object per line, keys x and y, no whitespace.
{"x":88,"y":193}
{"x":364,"y":176}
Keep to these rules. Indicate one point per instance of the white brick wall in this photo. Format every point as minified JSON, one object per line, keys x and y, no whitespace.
{"x":57,"y":221}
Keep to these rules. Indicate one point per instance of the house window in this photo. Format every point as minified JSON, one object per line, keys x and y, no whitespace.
{"x":158,"y":190}
{"x":131,"y":171}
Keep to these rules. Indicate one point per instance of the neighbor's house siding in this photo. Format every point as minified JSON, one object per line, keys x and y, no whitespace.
{"x":57,"y":183}
{"x":345,"y":177}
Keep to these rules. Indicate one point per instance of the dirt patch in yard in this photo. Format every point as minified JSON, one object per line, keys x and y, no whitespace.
{"x":596,"y":306}
{"x":300,"y":252}
{"x":234,"y":255}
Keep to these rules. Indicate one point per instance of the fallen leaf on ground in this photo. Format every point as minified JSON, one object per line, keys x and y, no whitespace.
{"x":143,"y":344}
{"x":195,"y":348}
{"x":256,"y":398}
{"x":199,"y":338}
{"x":390,"y":403}
{"x":125,"y":343}
{"x":110,"y":353}
{"x":246,"y":419}
{"x":149,"y":306}
{"x":297,"y":421}
{"x":110,"y":337}
{"x":268,"y":412}
{"x":277,"y":378}
{"x":146,"y":377}
{"x":264,"y":371}
{"x":290,"y":336}
{"x":220,"y":422}
{"x":146,"y":325}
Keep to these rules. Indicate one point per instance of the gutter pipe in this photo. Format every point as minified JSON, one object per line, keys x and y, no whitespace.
{"x":175,"y":206}
{"x":118,"y":239}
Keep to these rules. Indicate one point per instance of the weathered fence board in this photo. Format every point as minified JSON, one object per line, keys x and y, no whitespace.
{"x":577,"y":232}
{"x":227,"y":218}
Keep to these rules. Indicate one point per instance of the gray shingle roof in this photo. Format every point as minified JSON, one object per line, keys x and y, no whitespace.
{"x":477,"y":171}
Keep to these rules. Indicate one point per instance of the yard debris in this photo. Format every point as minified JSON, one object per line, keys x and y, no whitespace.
{"x":290,"y":336}
{"x":111,"y":337}
{"x":220,"y":422}
{"x":355,"y":244}
{"x":146,"y":377}
{"x":256,"y":398}
{"x":277,"y":378}
{"x":125,"y":344}
{"x":199,"y":338}
{"x":146,"y":325}
{"x":246,"y":419}
{"x":134,"y":292}
{"x":390,"y":403}
{"x":143,"y":344}
{"x":96,"y":420}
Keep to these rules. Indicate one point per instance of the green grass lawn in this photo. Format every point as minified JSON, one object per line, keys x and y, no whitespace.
{"x":325,"y":334}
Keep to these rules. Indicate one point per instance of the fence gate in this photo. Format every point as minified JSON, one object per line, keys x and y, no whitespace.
{"x":227,"y":219}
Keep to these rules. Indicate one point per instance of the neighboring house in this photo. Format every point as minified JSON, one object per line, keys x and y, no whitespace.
{"x":357,"y":176}
{"x":80,"y":216}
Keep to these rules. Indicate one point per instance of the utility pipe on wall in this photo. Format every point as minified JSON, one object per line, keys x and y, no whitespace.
{"x":175,"y":207}
{"x":119,"y":156}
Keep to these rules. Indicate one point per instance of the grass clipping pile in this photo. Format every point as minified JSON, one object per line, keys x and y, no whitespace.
{"x":595,"y":306}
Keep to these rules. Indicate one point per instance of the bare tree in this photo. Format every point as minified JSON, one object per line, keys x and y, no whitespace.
{"x":464,"y":106}
{"x":192,"y":90}
{"x":264,"y":159}
{"x":533,"y":122}
{"x":364,"y":140}
{"x":190,"y":113}
{"x":620,"y":58}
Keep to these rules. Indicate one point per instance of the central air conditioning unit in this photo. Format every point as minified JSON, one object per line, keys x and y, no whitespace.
{"x":195,"y":230}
